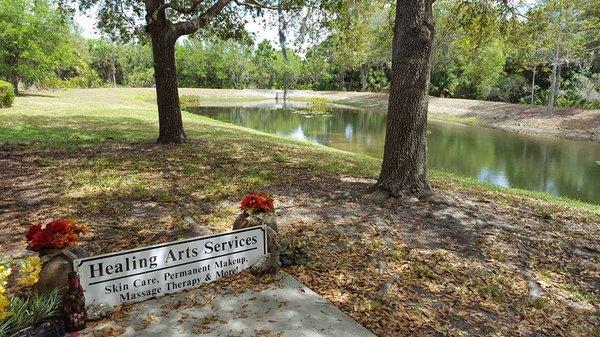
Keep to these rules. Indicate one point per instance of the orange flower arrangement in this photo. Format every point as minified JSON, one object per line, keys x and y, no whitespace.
{"x":255,"y":203}
{"x":57,"y":234}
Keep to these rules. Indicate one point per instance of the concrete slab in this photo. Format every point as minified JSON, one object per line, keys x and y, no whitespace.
{"x":286,"y":308}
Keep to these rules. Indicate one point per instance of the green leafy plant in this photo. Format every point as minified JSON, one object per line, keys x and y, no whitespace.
{"x":7,"y":94}
{"x":318,"y":105}
{"x":28,"y":311}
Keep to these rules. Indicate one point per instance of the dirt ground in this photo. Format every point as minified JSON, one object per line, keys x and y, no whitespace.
{"x":465,"y":263}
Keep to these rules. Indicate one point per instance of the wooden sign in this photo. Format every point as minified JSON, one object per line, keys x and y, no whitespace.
{"x":139,"y":274}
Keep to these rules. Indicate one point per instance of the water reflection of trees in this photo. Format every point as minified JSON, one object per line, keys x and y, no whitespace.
{"x":556,"y":166}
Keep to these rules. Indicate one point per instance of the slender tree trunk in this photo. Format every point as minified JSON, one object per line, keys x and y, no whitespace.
{"x":558,"y":81}
{"x":113,"y":70}
{"x":533,"y":86}
{"x":14,"y":80}
{"x":553,"y":86}
{"x":404,"y":168}
{"x":167,"y":94}
{"x":363,"y":78}
{"x":282,"y":42}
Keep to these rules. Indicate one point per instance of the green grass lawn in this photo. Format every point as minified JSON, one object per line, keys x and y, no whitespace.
{"x":86,"y":118}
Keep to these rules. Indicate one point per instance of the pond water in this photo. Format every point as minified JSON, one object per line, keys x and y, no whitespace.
{"x":556,"y":166}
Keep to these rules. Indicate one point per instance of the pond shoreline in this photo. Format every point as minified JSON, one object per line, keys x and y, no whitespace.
{"x":481,"y":153}
{"x":568,"y":123}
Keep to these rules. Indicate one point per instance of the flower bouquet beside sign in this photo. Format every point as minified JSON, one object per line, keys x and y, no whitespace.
{"x":143,"y":273}
{"x":259,"y":210}
{"x":57,"y":234}
{"x":55,"y":243}
{"x":25,"y":308}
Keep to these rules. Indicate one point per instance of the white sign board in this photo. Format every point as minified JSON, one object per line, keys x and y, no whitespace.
{"x":139,"y":274}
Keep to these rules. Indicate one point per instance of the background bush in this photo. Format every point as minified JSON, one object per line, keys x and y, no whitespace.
{"x":7,"y":94}
{"x":508,"y":89}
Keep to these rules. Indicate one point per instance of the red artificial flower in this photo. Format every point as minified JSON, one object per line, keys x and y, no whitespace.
{"x":57,"y":234}
{"x":78,"y":228}
{"x":32,"y":230}
{"x":41,"y":239}
{"x":60,"y":241}
{"x":61,"y":226}
{"x":256,"y":202}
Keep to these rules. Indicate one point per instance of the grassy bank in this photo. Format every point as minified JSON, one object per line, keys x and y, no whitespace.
{"x":91,"y":154}
{"x":84,"y":118}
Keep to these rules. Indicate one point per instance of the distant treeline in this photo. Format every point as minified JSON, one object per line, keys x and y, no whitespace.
{"x":490,"y":54}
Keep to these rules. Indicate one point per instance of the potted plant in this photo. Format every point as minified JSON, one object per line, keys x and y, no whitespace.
{"x":258,"y":210}
{"x":55,"y":243}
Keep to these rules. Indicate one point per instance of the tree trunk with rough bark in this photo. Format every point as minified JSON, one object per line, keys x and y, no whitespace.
{"x":404,"y":168}
{"x":163,"y":36}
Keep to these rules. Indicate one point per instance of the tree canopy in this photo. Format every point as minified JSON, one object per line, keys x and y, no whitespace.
{"x":35,"y":40}
{"x":492,"y":54}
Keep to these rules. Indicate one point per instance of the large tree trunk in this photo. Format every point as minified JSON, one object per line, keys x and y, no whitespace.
{"x":167,"y":94}
{"x":164,"y":34}
{"x":404,"y":168}
{"x":553,"y":84}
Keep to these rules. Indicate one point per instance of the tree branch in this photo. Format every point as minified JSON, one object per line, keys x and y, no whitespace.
{"x":254,"y":4}
{"x":181,"y":9}
{"x":191,"y":26}
{"x":259,"y":4}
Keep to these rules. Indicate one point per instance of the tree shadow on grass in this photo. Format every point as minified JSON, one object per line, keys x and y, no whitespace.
{"x":136,"y":194}
{"x":476,"y":228}
{"x":28,"y":94}
{"x":75,"y":130}
{"x":498,"y":248}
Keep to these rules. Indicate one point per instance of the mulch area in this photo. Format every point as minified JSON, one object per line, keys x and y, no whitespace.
{"x":464,"y":264}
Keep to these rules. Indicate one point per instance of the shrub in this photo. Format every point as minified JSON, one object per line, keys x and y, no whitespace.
{"x":143,"y":79}
{"x":7,"y":94}
{"x":378,"y":81}
{"x":442,"y":83}
{"x":52,"y":83}
{"x":508,"y":89}
{"x":188,"y":101}
{"x":572,"y":100}
{"x":87,"y":78}
{"x":318,"y":104}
